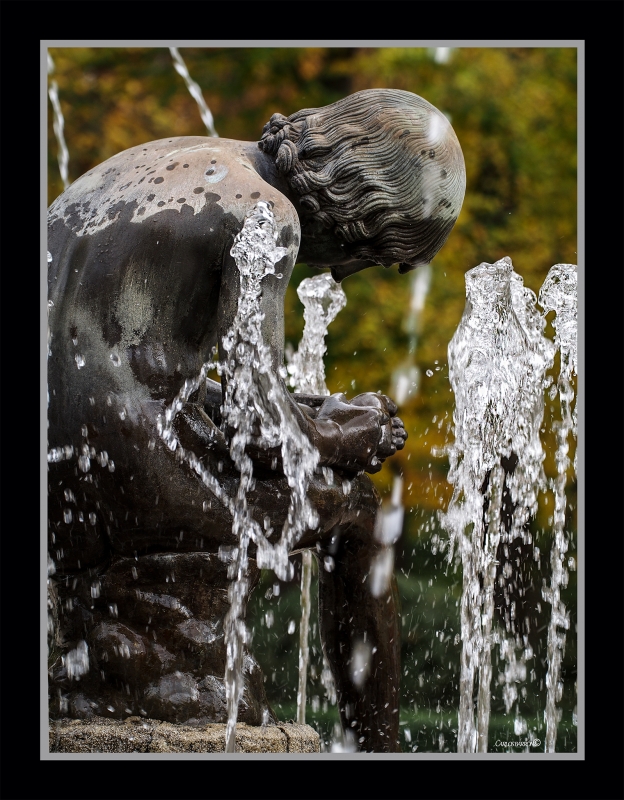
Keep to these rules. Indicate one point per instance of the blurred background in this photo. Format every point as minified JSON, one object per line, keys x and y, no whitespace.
{"x":514,"y":111}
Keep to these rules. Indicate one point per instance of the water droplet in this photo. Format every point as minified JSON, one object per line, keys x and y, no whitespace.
{"x":77,"y":661}
{"x":429,"y":373}
{"x":80,"y":360}
{"x":381,"y":572}
{"x":520,"y":726}
{"x":360,"y":663}
{"x":115,"y":359}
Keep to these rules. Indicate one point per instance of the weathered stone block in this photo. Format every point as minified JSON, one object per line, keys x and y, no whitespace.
{"x":138,"y":735}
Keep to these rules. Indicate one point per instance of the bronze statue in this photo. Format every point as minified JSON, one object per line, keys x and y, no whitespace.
{"x":142,"y":286}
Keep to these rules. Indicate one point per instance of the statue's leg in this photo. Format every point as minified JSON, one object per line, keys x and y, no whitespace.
{"x":154,"y":518}
{"x":360,"y":631}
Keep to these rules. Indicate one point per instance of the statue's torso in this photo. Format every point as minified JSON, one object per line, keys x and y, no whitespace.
{"x":137,"y":247}
{"x":136,"y":290}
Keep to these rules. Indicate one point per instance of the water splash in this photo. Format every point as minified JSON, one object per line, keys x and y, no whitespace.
{"x":167,"y":434}
{"x":194,"y":90}
{"x":498,"y":358}
{"x":360,"y":664}
{"x":558,"y":294}
{"x":257,"y":408}
{"x":77,"y":661}
{"x":322,"y":299}
{"x":255,"y":254}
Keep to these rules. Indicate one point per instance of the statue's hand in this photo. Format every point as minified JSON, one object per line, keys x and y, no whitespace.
{"x":359,"y":434}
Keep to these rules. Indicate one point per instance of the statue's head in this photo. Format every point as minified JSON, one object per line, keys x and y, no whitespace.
{"x":380,"y":177}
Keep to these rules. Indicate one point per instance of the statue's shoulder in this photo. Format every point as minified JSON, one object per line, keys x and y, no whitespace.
{"x":206,"y":180}
{"x":240,"y":185}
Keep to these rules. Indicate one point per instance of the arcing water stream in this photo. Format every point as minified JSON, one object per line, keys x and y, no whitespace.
{"x":59,"y":126}
{"x":194,"y":90}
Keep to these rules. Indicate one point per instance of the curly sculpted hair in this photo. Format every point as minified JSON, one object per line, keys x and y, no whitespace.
{"x":382,"y":168}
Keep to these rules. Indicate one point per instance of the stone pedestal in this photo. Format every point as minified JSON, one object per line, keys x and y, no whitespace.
{"x":138,"y":735}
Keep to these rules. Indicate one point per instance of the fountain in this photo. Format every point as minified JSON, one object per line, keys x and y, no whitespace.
{"x":169,"y":492}
{"x":499,"y":359}
{"x":503,"y":490}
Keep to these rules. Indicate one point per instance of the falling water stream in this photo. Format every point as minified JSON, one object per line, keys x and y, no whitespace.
{"x":254,"y":407}
{"x":558,"y":294}
{"x":253,"y":401}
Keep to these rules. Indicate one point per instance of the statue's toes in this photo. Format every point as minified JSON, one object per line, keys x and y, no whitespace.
{"x":399,"y":434}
